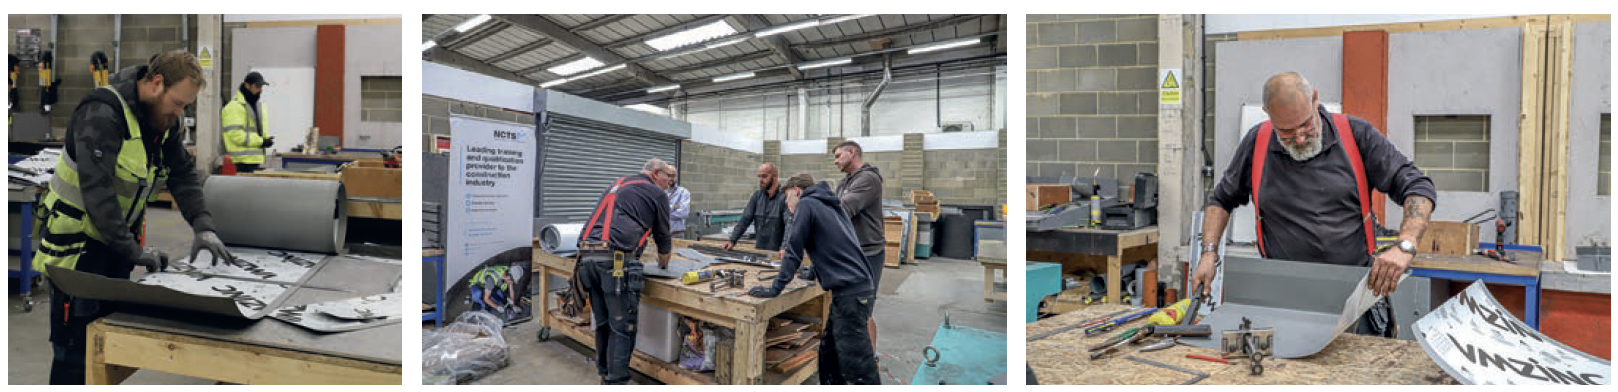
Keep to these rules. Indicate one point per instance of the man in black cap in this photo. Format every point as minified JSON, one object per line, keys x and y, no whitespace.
{"x":243,"y":121}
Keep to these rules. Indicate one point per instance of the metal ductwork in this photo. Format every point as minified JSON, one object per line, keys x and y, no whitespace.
{"x":865,"y":108}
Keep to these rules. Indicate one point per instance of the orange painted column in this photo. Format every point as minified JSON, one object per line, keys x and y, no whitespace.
{"x":1365,"y":89}
{"x":330,"y":51}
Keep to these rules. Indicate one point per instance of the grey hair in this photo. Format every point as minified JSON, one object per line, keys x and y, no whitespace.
{"x":653,"y":165}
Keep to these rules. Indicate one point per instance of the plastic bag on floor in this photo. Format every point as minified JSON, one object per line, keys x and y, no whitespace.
{"x":464,"y":350}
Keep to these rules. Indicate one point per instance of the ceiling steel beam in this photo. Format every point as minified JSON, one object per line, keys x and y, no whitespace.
{"x":547,"y":28}
{"x":619,"y":44}
{"x":461,"y":40}
{"x":458,"y":60}
{"x":520,"y":50}
{"x":778,"y":44}
{"x":889,"y":33}
{"x":603,"y":21}
{"x":718,"y":62}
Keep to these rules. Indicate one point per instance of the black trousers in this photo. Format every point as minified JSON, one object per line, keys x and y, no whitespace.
{"x":242,"y":168}
{"x":71,"y":315}
{"x":615,"y":303}
{"x":1378,"y":321}
{"x":878,"y":262}
{"x":846,"y":356}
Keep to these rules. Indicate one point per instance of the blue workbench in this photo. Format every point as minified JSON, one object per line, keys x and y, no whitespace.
{"x":1472,"y":268}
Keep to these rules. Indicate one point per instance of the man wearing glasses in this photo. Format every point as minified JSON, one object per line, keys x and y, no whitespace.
{"x":1310,"y":189}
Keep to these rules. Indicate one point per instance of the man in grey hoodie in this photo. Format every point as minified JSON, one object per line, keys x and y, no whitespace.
{"x":847,"y":355}
{"x":861,"y":195}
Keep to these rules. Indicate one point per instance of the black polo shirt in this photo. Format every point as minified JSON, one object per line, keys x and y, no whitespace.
{"x":1311,"y":209}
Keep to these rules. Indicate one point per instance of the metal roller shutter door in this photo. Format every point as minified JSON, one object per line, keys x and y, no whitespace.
{"x":582,"y":157}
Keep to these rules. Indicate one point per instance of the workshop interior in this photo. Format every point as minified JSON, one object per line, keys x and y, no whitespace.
{"x":1143,"y":182}
{"x":810,"y":199}
{"x":529,"y":119}
{"x":254,"y":164}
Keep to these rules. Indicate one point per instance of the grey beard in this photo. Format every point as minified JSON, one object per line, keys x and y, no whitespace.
{"x":1308,"y":150}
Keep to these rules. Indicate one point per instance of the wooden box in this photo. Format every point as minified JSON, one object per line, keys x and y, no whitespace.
{"x":920,"y":197}
{"x":1040,"y":196}
{"x":1449,"y":238}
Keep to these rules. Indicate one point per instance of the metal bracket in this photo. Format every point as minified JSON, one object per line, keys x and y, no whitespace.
{"x":1249,"y":343}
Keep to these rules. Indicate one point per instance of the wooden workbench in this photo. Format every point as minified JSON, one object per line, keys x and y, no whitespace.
{"x":1349,"y":359}
{"x":263,"y":352}
{"x":1102,"y":250}
{"x":1527,"y":263}
{"x":731,"y":308}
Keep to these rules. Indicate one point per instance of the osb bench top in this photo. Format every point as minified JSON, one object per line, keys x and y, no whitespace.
{"x":1350,"y":359}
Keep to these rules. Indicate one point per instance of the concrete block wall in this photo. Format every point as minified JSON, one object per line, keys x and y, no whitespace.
{"x":718,"y":177}
{"x":78,"y":36}
{"x":380,"y":99}
{"x":436,"y":111}
{"x":1092,"y":95}
{"x":975,"y":176}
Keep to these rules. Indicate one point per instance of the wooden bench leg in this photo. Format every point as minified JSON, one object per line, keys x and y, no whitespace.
{"x":96,"y":370}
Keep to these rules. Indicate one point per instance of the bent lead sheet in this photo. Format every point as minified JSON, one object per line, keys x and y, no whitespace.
{"x":1479,"y":342}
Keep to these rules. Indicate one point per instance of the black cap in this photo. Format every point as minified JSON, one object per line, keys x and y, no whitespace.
{"x":254,"y":78}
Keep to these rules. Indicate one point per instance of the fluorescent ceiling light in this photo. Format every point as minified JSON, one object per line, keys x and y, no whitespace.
{"x":727,"y":42}
{"x":662,"y":88}
{"x":602,"y":71}
{"x":728,"y":78}
{"x":946,"y":45}
{"x":827,"y":63}
{"x":428,"y":45}
{"x":575,"y":66}
{"x":787,"y":27}
{"x":469,"y":24}
{"x":695,"y":35}
{"x":554,"y":83}
{"x":844,"y":18}
{"x":649,"y":109}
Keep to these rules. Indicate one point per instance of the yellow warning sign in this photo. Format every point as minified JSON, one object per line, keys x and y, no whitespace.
{"x":205,"y":57}
{"x":1168,"y":92}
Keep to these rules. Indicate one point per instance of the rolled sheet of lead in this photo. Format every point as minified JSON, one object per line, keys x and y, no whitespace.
{"x":561,"y":237}
{"x":278,"y":213}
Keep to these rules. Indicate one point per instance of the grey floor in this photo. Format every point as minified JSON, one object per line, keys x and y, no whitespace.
{"x":913,"y":301}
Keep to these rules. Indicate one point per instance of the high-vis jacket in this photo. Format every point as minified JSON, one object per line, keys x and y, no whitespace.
{"x":66,"y":229}
{"x":243,"y":130}
{"x":111,"y":168}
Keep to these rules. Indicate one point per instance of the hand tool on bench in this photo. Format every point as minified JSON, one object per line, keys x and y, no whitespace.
{"x":1196,"y":375}
{"x":1250,"y":343}
{"x":1115,"y":322}
{"x":205,"y":276}
{"x":1084,"y":324}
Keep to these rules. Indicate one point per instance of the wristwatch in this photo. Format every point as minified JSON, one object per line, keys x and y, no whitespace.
{"x":1407,"y":247}
{"x":1209,"y":247}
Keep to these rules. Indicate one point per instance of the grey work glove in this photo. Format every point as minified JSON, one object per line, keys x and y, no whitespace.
{"x":154,"y":260}
{"x":764,"y":292}
{"x":209,"y":241}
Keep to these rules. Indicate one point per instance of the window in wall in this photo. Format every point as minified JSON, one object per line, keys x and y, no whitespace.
{"x":1604,"y":172}
{"x":381,"y":99}
{"x":1454,"y":151}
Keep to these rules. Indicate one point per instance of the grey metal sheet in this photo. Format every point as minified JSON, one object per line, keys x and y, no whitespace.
{"x":349,"y":314}
{"x":212,"y":292}
{"x":676,"y":268}
{"x":1477,"y":341}
{"x":1302,"y":301}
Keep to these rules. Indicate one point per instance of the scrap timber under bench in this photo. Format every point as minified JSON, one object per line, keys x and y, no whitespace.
{"x":730,"y":308}
{"x":1350,"y":359}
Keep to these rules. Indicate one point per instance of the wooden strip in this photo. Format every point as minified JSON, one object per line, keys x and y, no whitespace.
{"x":377,"y":210}
{"x":1406,"y":27}
{"x":232,"y":362}
{"x":345,"y":22}
{"x":1561,"y":102}
{"x":1529,"y":135}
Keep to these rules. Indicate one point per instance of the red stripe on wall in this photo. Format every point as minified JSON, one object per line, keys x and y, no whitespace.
{"x":1365,"y":88}
{"x":330,"y":50}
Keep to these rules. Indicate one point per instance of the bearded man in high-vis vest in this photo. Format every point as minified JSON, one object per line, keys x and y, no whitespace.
{"x":123,"y":141}
{"x":243,"y":121}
